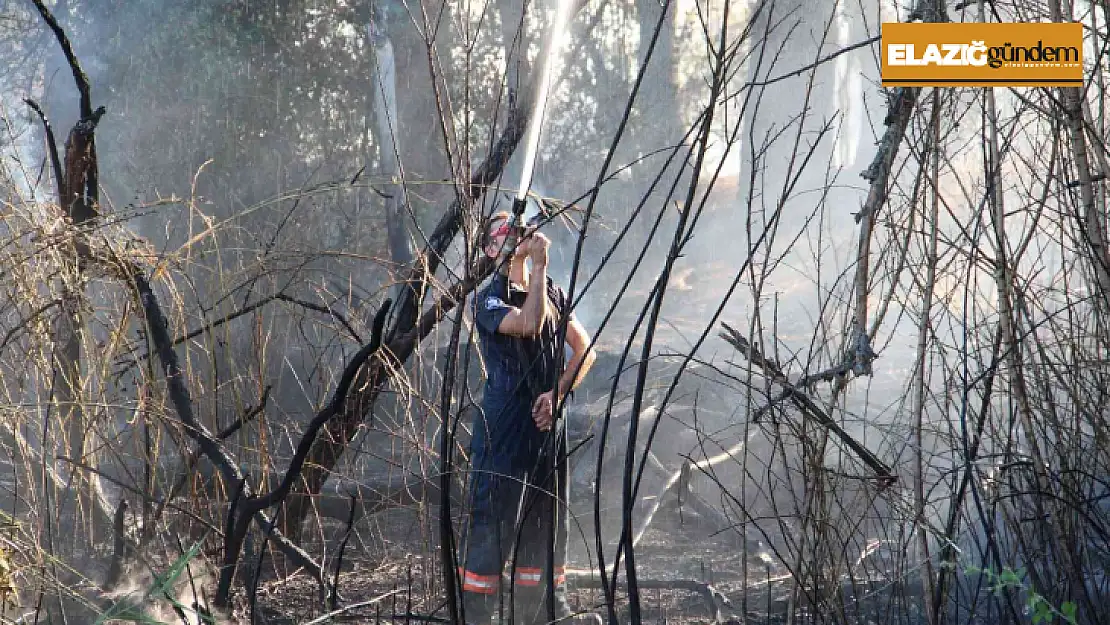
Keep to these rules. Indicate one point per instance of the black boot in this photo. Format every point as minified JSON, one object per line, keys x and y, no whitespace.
{"x":531,"y":607}
{"x":478,"y":609}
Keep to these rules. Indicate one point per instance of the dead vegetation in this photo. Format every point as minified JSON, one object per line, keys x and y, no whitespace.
{"x":796,"y":416}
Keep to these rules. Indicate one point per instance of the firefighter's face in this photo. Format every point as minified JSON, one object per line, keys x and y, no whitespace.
{"x":498,"y":231}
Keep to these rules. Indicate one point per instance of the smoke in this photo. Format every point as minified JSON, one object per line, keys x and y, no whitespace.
{"x":246,"y":116}
{"x":144,"y":596}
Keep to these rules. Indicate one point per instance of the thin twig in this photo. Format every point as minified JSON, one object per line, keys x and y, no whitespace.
{"x":350,"y":608}
{"x":327,"y":310}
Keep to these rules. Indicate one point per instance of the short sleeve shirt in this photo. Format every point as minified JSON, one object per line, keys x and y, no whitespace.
{"x":508,"y":357}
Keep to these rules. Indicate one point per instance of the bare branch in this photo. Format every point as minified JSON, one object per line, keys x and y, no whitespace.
{"x":51,"y":146}
{"x":807,"y":405}
{"x":79,"y":77}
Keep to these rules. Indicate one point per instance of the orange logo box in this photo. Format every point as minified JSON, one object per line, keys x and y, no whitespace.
{"x":982,"y":55}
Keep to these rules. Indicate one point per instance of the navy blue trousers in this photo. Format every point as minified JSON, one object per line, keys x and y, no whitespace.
{"x":518,"y":515}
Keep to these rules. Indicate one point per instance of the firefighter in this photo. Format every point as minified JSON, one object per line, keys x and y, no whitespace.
{"x":519,"y":483}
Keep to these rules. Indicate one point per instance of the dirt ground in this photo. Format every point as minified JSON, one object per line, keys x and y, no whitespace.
{"x":391,"y":556}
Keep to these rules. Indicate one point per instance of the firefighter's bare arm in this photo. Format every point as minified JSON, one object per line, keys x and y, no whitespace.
{"x":582,"y":358}
{"x":527,"y":320}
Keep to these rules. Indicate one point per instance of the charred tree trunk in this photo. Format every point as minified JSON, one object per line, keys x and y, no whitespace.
{"x":78,"y":198}
{"x":77,"y":516}
{"x":403,"y":340}
{"x":79,"y":201}
{"x":411,"y":321}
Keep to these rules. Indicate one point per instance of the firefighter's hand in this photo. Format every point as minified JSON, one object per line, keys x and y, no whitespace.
{"x":543,"y":410}
{"x":536,"y":246}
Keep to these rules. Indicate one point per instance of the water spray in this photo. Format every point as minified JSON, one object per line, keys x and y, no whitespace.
{"x":535,"y":126}
{"x":517,"y":229}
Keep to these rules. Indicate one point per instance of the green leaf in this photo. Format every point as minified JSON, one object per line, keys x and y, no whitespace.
{"x":1069,"y":610}
{"x":126,"y":609}
{"x":1044,"y":609}
{"x":164,"y":583}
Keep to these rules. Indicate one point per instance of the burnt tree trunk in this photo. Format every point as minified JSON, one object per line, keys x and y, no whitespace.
{"x":78,"y":199}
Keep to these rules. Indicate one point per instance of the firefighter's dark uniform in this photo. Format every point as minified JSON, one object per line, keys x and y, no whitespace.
{"x":516,"y":470}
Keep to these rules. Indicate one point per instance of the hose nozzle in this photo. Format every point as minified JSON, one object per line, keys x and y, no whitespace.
{"x":520,"y":205}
